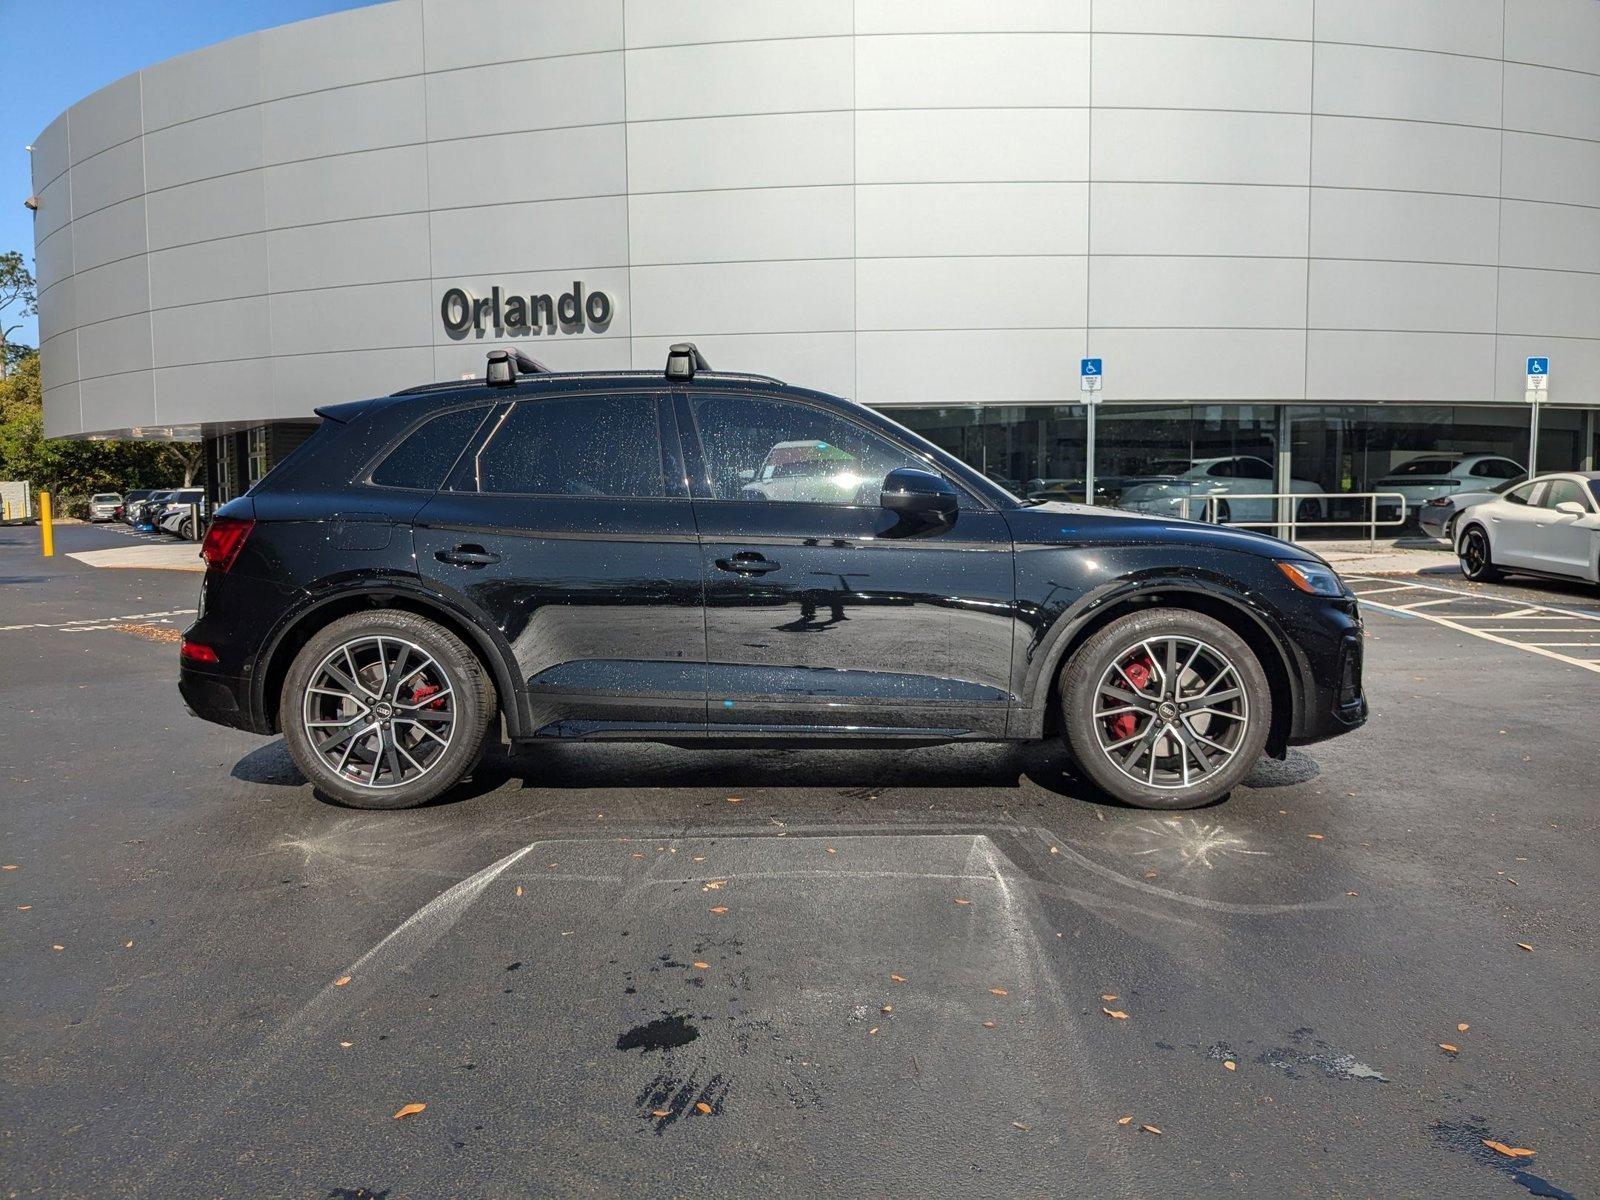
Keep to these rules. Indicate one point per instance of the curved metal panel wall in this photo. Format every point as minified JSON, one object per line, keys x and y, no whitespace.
{"x":907,"y":201}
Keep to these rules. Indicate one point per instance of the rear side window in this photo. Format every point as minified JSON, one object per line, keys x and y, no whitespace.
{"x":571,"y":446}
{"x":1521,"y":495}
{"x":432,"y":449}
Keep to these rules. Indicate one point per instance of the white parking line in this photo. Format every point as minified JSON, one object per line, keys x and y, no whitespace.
{"x":1523,"y":611}
{"x":84,"y":624}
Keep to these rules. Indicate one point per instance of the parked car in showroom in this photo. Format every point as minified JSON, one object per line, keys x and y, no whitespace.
{"x":1183,"y":494}
{"x":176,"y":514}
{"x":1548,"y":526}
{"x":579,"y":556}
{"x":1429,"y":476}
{"x":103,"y":506}
{"x":1437,"y":517}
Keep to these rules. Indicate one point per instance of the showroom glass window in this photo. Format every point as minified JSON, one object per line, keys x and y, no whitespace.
{"x":779,"y":451}
{"x":256,"y":454}
{"x":572,"y":446}
{"x":422,"y":459}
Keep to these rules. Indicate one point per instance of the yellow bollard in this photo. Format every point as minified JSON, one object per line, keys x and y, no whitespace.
{"x":47,"y":533}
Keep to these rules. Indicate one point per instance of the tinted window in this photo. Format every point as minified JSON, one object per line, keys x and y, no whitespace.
{"x":1226,"y":469}
{"x":1426,"y":466}
{"x":572,"y":446}
{"x":1501,"y":487}
{"x":1497,"y":468}
{"x":1519,"y":495}
{"x":780,"y":451}
{"x":432,"y":448}
{"x":1561,"y":490}
{"x":104,"y":498}
{"x":1254,"y":468}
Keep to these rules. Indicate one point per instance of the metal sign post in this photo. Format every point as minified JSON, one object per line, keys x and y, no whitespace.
{"x":1538,"y":389}
{"x":1089,"y":369}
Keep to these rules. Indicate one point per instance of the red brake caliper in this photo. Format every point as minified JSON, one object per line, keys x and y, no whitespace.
{"x":1139,"y":673}
{"x":423,"y":691}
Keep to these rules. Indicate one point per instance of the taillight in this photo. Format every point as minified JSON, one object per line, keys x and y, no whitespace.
{"x":224,"y":540}
{"x":195,"y":652}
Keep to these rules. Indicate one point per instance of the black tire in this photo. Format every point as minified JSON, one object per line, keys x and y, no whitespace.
{"x":1224,"y":512}
{"x":186,"y":529}
{"x":1477,"y":558}
{"x":1307,"y":510}
{"x":473,"y":707}
{"x":1093,"y":661}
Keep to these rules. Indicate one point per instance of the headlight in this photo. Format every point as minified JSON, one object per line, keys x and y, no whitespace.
{"x":1313,"y":577}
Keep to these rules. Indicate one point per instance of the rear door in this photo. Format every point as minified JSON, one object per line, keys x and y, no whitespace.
{"x":826,"y":615}
{"x":567,"y":526}
{"x":1514,"y":525}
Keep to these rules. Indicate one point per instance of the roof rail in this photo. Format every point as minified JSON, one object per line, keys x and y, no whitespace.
{"x":684,"y":359}
{"x":504,"y":366}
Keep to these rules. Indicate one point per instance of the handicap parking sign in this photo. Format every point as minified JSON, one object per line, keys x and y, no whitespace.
{"x":1091,"y":366}
{"x":1536,"y":366}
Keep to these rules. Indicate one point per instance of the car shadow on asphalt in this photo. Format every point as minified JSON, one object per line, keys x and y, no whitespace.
{"x":855,"y":772}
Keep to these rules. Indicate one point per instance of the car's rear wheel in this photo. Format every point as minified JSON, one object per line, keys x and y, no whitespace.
{"x":1477,"y":560}
{"x":1224,"y":512}
{"x":1166,"y":709}
{"x":1307,"y":511}
{"x":385,"y":709}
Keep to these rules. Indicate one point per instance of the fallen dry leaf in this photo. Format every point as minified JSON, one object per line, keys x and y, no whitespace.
{"x":831,"y":850}
{"x":127,"y":945}
{"x":1508,"y":1151}
{"x":998,"y":992}
{"x":660,"y":1112}
{"x":347,"y":1045}
{"x":409,"y":1110}
{"x":1055,"y":850}
{"x":696,"y":858}
{"x":58,"y":946}
{"x":1315,"y":837}
{"x":1230,"y":1066}
{"x":1115,"y":1014}
{"x":734,"y":800}
{"x":1150,"y":1129}
{"x":720,"y":909}
{"x":1524,"y":946}
{"x":24,"y":907}
{"x":9,"y":867}
{"x":872,"y":1031}
{"x":341,"y":981}
{"x":961,"y":901}
{"x":1124,"y":1120}
{"x":1021,"y":1126}
{"x":897,"y":978}
{"x":713,"y":885}
{"x":988,"y":1024}
{"x":702,"y":966}
{"x":1108,"y":997}
{"x":1349,"y":893}
{"x":701,"y":1105}
{"x":1463,"y":1027}
{"x":1449,"y":1049}
{"x":887,"y":1008}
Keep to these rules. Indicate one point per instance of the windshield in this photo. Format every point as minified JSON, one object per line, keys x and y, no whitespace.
{"x":105,"y":498}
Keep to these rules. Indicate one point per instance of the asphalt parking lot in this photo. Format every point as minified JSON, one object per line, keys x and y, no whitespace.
{"x":637,"y":969}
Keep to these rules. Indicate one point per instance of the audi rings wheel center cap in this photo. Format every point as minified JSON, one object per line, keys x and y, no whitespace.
{"x":383,"y":710}
{"x":1167,"y":710}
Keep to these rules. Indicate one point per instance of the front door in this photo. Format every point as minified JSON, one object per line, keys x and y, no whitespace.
{"x":1566,"y":541}
{"x":566,"y":528}
{"x":826,"y":615}
{"x":1514,"y":525}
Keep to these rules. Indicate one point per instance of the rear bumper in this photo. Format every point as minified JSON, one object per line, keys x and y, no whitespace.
{"x":216,"y":697}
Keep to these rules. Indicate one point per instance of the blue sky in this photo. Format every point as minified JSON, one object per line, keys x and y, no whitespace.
{"x":55,"y":52}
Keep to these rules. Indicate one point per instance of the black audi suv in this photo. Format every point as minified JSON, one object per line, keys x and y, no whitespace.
{"x":709,"y":559}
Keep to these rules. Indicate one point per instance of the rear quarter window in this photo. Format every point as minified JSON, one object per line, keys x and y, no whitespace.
{"x":429,"y":451}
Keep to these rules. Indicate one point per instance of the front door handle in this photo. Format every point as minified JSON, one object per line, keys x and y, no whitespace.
{"x":747,"y":562}
{"x":467,"y":556}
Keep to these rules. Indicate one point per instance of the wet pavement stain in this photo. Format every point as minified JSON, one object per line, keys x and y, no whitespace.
{"x":1320,"y":1057}
{"x":668,"y":1032}
{"x":1465,"y":1138}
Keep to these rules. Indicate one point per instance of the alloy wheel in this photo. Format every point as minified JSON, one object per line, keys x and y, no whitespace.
{"x":379,"y":711}
{"x":1170,"y":712}
{"x":1475,"y":553}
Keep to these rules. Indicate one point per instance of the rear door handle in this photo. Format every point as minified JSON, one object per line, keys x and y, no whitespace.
{"x":467,"y":556}
{"x":747,"y":562}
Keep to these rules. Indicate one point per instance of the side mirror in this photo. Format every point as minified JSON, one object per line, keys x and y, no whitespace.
{"x":909,"y":492}
{"x":1572,"y":508}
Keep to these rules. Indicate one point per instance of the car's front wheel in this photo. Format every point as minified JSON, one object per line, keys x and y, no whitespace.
{"x":385,"y":709}
{"x":1166,"y":709}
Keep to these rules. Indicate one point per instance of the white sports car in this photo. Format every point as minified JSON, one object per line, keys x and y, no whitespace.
{"x":1547,"y":526}
{"x":1240,"y":475}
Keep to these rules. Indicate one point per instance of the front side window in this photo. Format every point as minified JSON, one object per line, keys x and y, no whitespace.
{"x":1563,"y":490}
{"x":571,"y":446}
{"x":780,"y":451}
{"x":430,"y":450}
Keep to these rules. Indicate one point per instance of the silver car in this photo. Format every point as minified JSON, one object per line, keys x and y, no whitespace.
{"x":103,"y":506}
{"x":1438,"y":516}
{"x":1547,"y":526}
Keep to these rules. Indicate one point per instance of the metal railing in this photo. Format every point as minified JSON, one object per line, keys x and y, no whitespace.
{"x":1288,"y":517}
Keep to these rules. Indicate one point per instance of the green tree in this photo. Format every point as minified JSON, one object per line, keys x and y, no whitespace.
{"x":75,"y":468}
{"x":17,"y":299}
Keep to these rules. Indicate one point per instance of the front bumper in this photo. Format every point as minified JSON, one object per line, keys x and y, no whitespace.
{"x":1331,"y":699}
